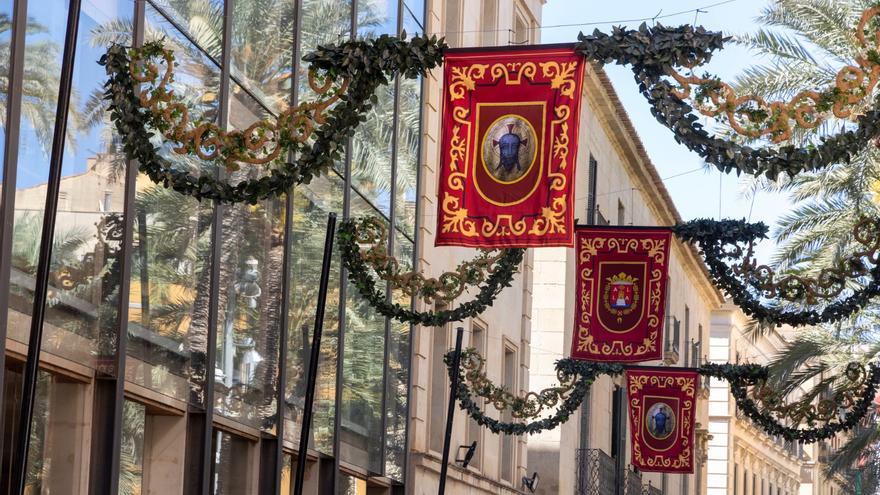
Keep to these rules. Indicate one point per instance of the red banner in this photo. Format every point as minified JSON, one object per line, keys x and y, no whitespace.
{"x":661,"y":418}
{"x":509,"y":144}
{"x":621,"y":293}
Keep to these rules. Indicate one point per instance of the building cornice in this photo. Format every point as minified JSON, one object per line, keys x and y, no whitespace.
{"x":603,"y":100}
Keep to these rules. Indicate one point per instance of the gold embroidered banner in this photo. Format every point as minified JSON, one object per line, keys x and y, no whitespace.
{"x":509,"y":144}
{"x":661,"y":417}
{"x":621,"y":293}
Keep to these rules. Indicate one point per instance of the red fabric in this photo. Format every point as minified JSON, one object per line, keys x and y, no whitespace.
{"x":661,"y":419}
{"x":621,"y":293}
{"x":509,"y":147}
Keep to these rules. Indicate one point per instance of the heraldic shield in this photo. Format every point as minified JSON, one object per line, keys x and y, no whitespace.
{"x":661,"y":417}
{"x":621,"y":293}
{"x":510,"y":124}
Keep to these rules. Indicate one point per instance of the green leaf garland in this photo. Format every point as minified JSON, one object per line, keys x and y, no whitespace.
{"x":366,"y":64}
{"x":362,"y":277}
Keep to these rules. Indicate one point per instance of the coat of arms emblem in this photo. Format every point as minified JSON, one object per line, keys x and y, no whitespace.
{"x":621,"y":295}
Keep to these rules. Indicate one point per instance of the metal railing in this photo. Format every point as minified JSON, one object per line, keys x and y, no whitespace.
{"x":595,"y":472}
{"x":633,"y":484}
{"x":650,"y":489}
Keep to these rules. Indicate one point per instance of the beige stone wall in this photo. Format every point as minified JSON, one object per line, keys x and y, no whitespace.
{"x":506,"y":325}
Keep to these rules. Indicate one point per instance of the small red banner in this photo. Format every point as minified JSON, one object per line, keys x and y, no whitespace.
{"x":510,"y":125}
{"x":621,"y":293}
{"x":661,"y":418}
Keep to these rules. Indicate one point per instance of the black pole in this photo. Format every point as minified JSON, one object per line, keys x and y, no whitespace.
{"x":313,"y":360}
{"x":450,"y":411}
{"x":53,"y":185}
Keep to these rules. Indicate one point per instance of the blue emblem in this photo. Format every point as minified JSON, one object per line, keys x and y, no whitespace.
{"x":508,"y":146}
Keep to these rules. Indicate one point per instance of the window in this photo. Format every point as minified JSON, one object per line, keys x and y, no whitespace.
{"x":735,"y":479}
{"x":687,"y":335}
{"x":234,"y":469}
{"x":439,"y":388}
{"x":621,"y":213}
{"x":489,"y":23}
{"x":521,"y":35}
{"x":453,"y":23}
{"x":153,"y":446}
{"x":591,"y":190}
{"x":58,"y":452}
{"x":618,"y":428}
{"x":475,"y":431}
{"x":508,"y":442}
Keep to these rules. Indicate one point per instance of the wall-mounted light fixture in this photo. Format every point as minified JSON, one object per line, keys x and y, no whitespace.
{"x":531,"y":483}
{"x":468,"y":454}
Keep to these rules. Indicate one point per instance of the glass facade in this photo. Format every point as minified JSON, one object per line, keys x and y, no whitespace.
{"x":202,"y":290}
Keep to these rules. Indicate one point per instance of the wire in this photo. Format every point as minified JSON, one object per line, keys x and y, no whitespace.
{"x":697,"y":10}
{"x":662,"y":180}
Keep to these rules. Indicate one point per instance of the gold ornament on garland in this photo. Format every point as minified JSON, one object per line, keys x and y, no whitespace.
{"x":373,"y":233}
{"x":529,"y":406}
{"x":753,"y":116}
{"x":263,"y":142}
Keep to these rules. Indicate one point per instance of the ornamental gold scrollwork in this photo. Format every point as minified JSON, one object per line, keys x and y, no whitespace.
{"x":528,"y":406}
{"x":463,"y":79}
{"x":753,"y":116}
{"x":821,"y":410}
{"x":827,"y":284}
{"x":262,"y":143}
{"x":562,"y":76}
{"x":373,"y":234}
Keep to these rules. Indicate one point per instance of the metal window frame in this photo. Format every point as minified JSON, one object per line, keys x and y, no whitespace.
{"x":109,"y":394}
{"x":41,"y":286}
{"x":10,"y":171}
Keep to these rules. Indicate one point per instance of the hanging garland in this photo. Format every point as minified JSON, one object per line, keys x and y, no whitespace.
{"x":767,"y":410}
{"x":491,"y":271}
{"x":654,"y":53}
{"x":776,"y":299}
{"x":841,"y":411}
{"x":345,"y":78}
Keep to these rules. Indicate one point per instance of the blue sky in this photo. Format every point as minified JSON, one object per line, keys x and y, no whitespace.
{"x":696,"y":194}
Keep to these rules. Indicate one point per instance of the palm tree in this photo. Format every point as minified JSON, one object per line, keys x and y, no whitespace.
{"x":808,"y":41}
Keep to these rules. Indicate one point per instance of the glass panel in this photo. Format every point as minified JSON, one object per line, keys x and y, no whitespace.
{"x":58,"y":452}
{"x":250,"y":292}
{"x":413,"y":16}
{"x":371,"y":152}
{"x":376,"y":17}
{"x":171,"y":255}
{"x":363,"y":369}
{"x":5,"y":37}
{"x":234,"y":472}
{"x":311,"y":204}
{"x":396,"y":412}
{"x":286,"y":475}
{"x":44,"y":43}
{"x":408,"y":135}
{"x":131,"y":455}
{"x":323,"y":22}
{"x":201,"y":20}
{"x":84,"y":280}
{"x":262,"y":49}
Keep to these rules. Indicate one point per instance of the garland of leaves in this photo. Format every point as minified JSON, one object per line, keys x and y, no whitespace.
{"x":360,"y":274}
{"x":577,"y":376}
{"x":827,"y":409}
{"x":727,"y":247}
{"x":317,"y":140}
{"x":654,"y":52}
